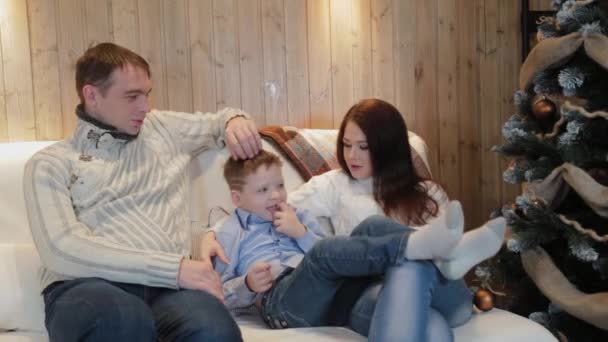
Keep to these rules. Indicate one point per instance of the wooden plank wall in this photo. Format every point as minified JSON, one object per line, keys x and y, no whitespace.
{"x":450,"y":66}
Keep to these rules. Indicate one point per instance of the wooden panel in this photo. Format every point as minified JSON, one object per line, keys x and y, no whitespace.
{"x":382,"y":50}
{"x":405,"y":61}
{"x":98,"y":27}
{"x":319,"y":64}
{"x":201,"y":55}
{"x":45,"y":69}
{"x":179,"y":86}
{"x":509,"y":54}
{"x":362,"y":49}
{"x":538,"y":5}
{"x":298,"y":105}
{"x":447,"y":96}
{"x":226,"y":54}
{"x":71,"y":47}
{"x":251,"y":59}
{"x":152,"y":49}
{"x":275,"y":82}
{"x":426,"y":78}
{"x":125,"y":23}
{"x":441,"y":62}
{"x":468,"y":105}
{"x":341,"y":58}
{"x":16,"y":60}
{"x":490,"y":108}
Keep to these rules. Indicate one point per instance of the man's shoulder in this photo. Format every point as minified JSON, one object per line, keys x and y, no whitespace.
{"x":61,"y":150}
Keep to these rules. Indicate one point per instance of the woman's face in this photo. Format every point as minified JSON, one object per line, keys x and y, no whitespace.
{"x":356,"y":152}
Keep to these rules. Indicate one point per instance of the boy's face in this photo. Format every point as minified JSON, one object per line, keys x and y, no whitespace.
{"x":263,"y":191}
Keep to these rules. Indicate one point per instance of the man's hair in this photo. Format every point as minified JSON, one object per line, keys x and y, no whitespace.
{"x":97,"y":64}
{"x":235,"y":171}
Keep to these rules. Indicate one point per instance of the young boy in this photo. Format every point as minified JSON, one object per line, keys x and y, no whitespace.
{"x":265,"y":237}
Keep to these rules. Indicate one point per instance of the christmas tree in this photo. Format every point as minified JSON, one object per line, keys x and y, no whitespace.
{"x":554,"y":268}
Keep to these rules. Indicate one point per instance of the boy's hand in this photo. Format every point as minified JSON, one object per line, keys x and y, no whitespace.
{"x":210,"y":248}
{"x":259,"y":278}
{"x":286,"y":222}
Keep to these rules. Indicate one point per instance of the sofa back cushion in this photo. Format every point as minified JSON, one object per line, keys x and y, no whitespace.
{"x":20,"y":303}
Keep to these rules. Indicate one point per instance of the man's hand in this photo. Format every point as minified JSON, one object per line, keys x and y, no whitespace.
{"x":259,"y":278}
{"x":286,"y":222}
{"x":210,"y":248}
{"x":199,"y":275}
{"x":242,"y":138}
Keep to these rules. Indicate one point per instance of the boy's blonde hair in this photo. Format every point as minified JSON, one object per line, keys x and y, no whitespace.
{"x":235,"y":171}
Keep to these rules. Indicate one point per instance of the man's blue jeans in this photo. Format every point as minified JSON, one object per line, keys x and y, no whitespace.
{"x":93,"y":309}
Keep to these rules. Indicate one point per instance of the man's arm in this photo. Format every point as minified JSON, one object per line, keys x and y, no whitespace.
{"x":197,"y":132}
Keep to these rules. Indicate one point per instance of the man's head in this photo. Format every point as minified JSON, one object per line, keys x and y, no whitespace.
{"x":256,"y":184}
{"x":113,"y":84}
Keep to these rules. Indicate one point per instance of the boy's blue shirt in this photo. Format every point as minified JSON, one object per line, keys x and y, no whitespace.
{"x":248,"y":239}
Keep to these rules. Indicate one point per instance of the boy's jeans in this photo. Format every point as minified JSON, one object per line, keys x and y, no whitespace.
{"x":93,"y":309}
{"x":400,"y":305}
{"x":303,"y":297}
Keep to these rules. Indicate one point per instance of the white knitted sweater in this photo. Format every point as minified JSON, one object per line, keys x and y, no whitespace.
{"x":99,"y":206}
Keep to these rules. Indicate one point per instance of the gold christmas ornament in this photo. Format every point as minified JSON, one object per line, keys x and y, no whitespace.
{"x":483,"y":300}
{"x":544,"y":109}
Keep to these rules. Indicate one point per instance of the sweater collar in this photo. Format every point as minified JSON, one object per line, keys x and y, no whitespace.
{"x":91,"y":133}
{"x":102,"y":128}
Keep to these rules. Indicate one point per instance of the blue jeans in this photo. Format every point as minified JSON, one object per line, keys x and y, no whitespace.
{"x":303,"y":297}
{"x":93,"y":309}
{"x":429,"y":304}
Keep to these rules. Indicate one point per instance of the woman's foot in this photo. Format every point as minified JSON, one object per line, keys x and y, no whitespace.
{"x":475,"y":246}
{"x":437,"y":239}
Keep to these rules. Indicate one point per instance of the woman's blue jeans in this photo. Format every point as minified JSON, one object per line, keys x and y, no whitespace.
{"x":429,"y":304}
{"x":93,"y":309}
{"x":412,"y":303}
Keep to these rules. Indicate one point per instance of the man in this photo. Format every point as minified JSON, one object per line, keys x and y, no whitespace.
{"x":108,"y":212}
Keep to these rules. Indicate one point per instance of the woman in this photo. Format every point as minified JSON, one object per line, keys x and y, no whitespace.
{"x":377,"y":176}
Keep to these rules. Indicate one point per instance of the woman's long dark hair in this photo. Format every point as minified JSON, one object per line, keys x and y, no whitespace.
{"x":398,"y":189}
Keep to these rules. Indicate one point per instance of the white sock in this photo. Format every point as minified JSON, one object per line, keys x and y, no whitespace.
{"x":437,"y":239}
{"x":474,"y":247}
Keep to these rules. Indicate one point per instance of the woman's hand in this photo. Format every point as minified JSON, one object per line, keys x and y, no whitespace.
{"x":286,"y":221}
{"x":210,"y":248}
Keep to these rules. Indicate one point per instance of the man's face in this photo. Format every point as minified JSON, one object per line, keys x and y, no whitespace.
{"x":125,"y":103}
{"x":263,"y":191}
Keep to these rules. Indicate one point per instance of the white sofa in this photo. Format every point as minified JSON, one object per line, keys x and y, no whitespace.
{"x":21,"y":306}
